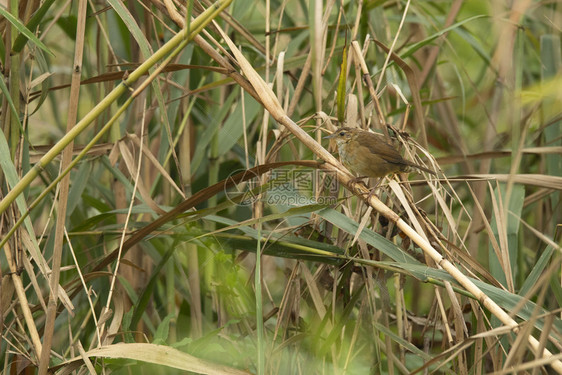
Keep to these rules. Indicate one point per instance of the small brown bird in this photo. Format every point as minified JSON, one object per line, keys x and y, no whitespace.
{"x":368,"y":155}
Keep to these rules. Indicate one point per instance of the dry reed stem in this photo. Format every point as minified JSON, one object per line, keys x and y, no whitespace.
{"x":64,"y":187}
{"x":137,"y":183}
{"x":367,"y":78}
{"x":24,"y":304}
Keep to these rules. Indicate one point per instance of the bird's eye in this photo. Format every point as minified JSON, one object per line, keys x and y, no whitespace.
{"x":342,"y":133}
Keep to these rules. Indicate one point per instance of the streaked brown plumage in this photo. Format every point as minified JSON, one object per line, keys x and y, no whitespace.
{"x":369,"y":155}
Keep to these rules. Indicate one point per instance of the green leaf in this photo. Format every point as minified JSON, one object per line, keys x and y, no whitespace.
{"x":34,"y":21}
{"x":163,"y":330}
{"x":68,"y":25}
{"x":537,"y":271}
{"x":24,"y":30}
{"x":342,"y":84}
{"x":146,"y":294}
{"x":374,"y":239}
{"x":416,"y":46}
{"x":6,"y":93}
{"x":512,"y":231}
{"x":213,"y":125}
{"x":80,"y":181}
{"x":233,"y":128}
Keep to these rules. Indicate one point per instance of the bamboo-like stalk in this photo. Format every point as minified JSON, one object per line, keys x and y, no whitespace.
{"x":196,"y":26}
{"x":64,"y":188}
{"x":272,"y":105}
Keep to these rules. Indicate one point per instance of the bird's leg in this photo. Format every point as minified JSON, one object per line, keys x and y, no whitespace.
{"x":359,"y":179}
{"x":372,"y":190}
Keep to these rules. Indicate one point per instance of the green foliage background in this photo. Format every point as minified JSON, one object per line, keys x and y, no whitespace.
{"x":224,"y":285}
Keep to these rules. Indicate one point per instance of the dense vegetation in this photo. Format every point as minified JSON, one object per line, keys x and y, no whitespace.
{"x":169,"y":203}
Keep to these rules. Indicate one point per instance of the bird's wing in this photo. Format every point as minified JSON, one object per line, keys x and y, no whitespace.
{"x":381,"y":150}
{"x":377,"y":145}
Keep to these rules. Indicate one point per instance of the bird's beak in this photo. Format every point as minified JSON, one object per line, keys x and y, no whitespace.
{"x":330,"y":136}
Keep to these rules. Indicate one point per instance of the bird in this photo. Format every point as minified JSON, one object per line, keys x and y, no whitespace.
{"x":369,"y":155}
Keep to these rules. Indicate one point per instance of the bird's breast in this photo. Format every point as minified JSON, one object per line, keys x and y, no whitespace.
{"x":353,"y":157}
